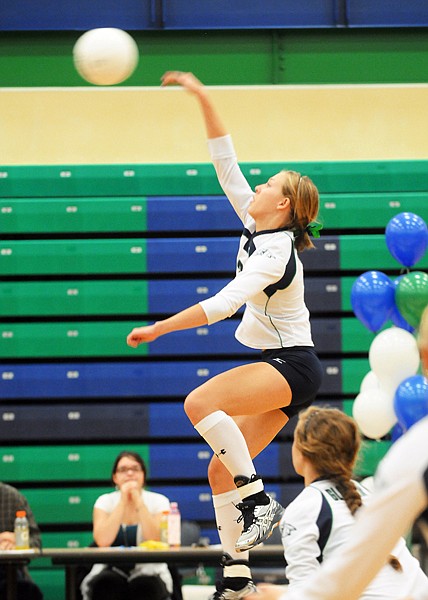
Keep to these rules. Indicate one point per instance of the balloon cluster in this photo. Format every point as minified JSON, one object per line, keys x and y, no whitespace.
{"x":392,"y":391}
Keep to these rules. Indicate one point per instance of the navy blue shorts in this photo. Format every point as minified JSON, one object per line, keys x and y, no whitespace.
{"x":302,"y":369}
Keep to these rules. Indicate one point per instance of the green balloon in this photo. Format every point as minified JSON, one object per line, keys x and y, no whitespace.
{"x":411,"y":296}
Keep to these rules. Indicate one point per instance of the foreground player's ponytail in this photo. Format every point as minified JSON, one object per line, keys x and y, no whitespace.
{"x":330,"y":440}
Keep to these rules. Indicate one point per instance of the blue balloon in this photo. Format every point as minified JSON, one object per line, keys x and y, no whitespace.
{"x":396,"y":432}
{"x":396,"y":317}
{"x":411,"y":400}
{"x":407,"y":238}
{"x":372,"y":299}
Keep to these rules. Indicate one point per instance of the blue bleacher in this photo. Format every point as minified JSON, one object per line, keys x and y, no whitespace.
{"x":21,"y":15}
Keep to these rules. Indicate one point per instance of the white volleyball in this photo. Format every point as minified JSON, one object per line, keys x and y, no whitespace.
{"x":105,"y":56}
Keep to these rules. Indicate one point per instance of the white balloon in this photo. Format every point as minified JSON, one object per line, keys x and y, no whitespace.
{"x":373,"y":410}
{"x":370,"y":382}
{"x":393,"y":356}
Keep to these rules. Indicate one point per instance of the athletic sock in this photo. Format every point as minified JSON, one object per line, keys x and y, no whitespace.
{"x":240,"y":569}
{"x":221,"y":432}
{"x":229,"y":529}
{"x":251,"y":489}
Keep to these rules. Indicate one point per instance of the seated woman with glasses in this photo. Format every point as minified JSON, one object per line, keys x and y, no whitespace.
{"x":126,"y":517}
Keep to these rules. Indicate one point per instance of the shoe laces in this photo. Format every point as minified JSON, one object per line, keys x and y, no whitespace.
{"x":247,"y":513}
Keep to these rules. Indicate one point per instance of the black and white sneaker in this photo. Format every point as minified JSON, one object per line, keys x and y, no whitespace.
{"x":259,"y":521}
{"x":233,"y":588}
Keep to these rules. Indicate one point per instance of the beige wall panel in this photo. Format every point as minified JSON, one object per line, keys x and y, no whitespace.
{"x":150,"y":125}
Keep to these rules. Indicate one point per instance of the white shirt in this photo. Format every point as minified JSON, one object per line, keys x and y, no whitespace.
{"x":269,"y":273}
{"x":155,"y":503}
{"x":400,"y":496}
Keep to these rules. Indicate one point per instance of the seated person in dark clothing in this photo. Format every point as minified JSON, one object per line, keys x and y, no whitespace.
{"x":11,"y":500}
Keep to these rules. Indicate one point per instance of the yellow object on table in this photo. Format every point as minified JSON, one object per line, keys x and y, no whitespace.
{"x":153,"y":545}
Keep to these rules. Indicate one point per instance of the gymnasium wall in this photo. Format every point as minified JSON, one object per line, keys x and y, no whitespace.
{"x":110,"y":215}
{"x":271,"y":123}
{"x":49,"y":115}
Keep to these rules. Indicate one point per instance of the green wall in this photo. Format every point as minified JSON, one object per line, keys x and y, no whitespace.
{"x":233,"y":57}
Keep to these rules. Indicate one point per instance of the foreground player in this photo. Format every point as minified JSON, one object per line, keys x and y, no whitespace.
{"x":401,"y":495}
{"x":239,"y":412}
{"x":319,"y":521}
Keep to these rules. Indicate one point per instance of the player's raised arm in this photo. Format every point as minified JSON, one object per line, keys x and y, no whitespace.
{"x":188,"y":81}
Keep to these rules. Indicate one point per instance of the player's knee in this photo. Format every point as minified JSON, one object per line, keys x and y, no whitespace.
{"x":192,"y":407}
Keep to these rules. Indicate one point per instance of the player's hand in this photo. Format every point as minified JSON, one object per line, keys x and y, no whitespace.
{"x":141,"y":334}
{"x":186,"y":80}
{"x":267,"y":592}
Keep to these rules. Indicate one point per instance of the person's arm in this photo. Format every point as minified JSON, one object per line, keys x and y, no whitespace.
{"x":213,"y":124}
{"x":7,"y":540}
{"x":220,"y":144}
{"x":106,"y":525}
{"x":149,"y":523}
{"x":264,"y":267}
{"x":191,"y":317}
{"x":300,"y":535}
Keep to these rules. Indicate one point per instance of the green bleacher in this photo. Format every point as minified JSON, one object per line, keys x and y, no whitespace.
{"x":72,"y":288}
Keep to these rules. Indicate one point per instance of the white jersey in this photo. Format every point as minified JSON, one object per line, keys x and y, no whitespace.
{"x":318,"y":523}
{"x":156,"y":503}
{"x":269,"y":273}
{"x":400,"y":495}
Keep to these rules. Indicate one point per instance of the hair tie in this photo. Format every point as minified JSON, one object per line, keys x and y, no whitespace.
{"x":311,"y":415}
{"x":313,"y":229}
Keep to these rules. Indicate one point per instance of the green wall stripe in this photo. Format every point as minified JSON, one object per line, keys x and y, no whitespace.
{"x":370,"y":252}
{"x":353,"y":371}
{"x":332,"y":177}
{"x":232,"y":57}
{"x":63,"y":463}
{"x":65,"y":215}
{"x":112,"y":297}
{"x":68,"y":339}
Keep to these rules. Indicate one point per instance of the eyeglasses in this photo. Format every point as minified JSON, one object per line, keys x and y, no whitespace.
{"x":134,"y":469}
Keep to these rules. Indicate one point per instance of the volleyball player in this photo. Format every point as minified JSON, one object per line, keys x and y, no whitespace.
{"x":240,"y":411}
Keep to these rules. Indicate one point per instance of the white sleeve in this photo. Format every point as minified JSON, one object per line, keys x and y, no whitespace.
{"x":107,"y":502}
{"x":300,"y":536}
{"x":265,"y":267}
{"x":404,"y":457}
{"x":155,"y":502}
{"x":230,"y":176}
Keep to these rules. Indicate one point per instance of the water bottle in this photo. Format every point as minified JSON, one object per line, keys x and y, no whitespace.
{"x":174,"y":526}
{"x":164,"y":527}
{"x":22,"y":531}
